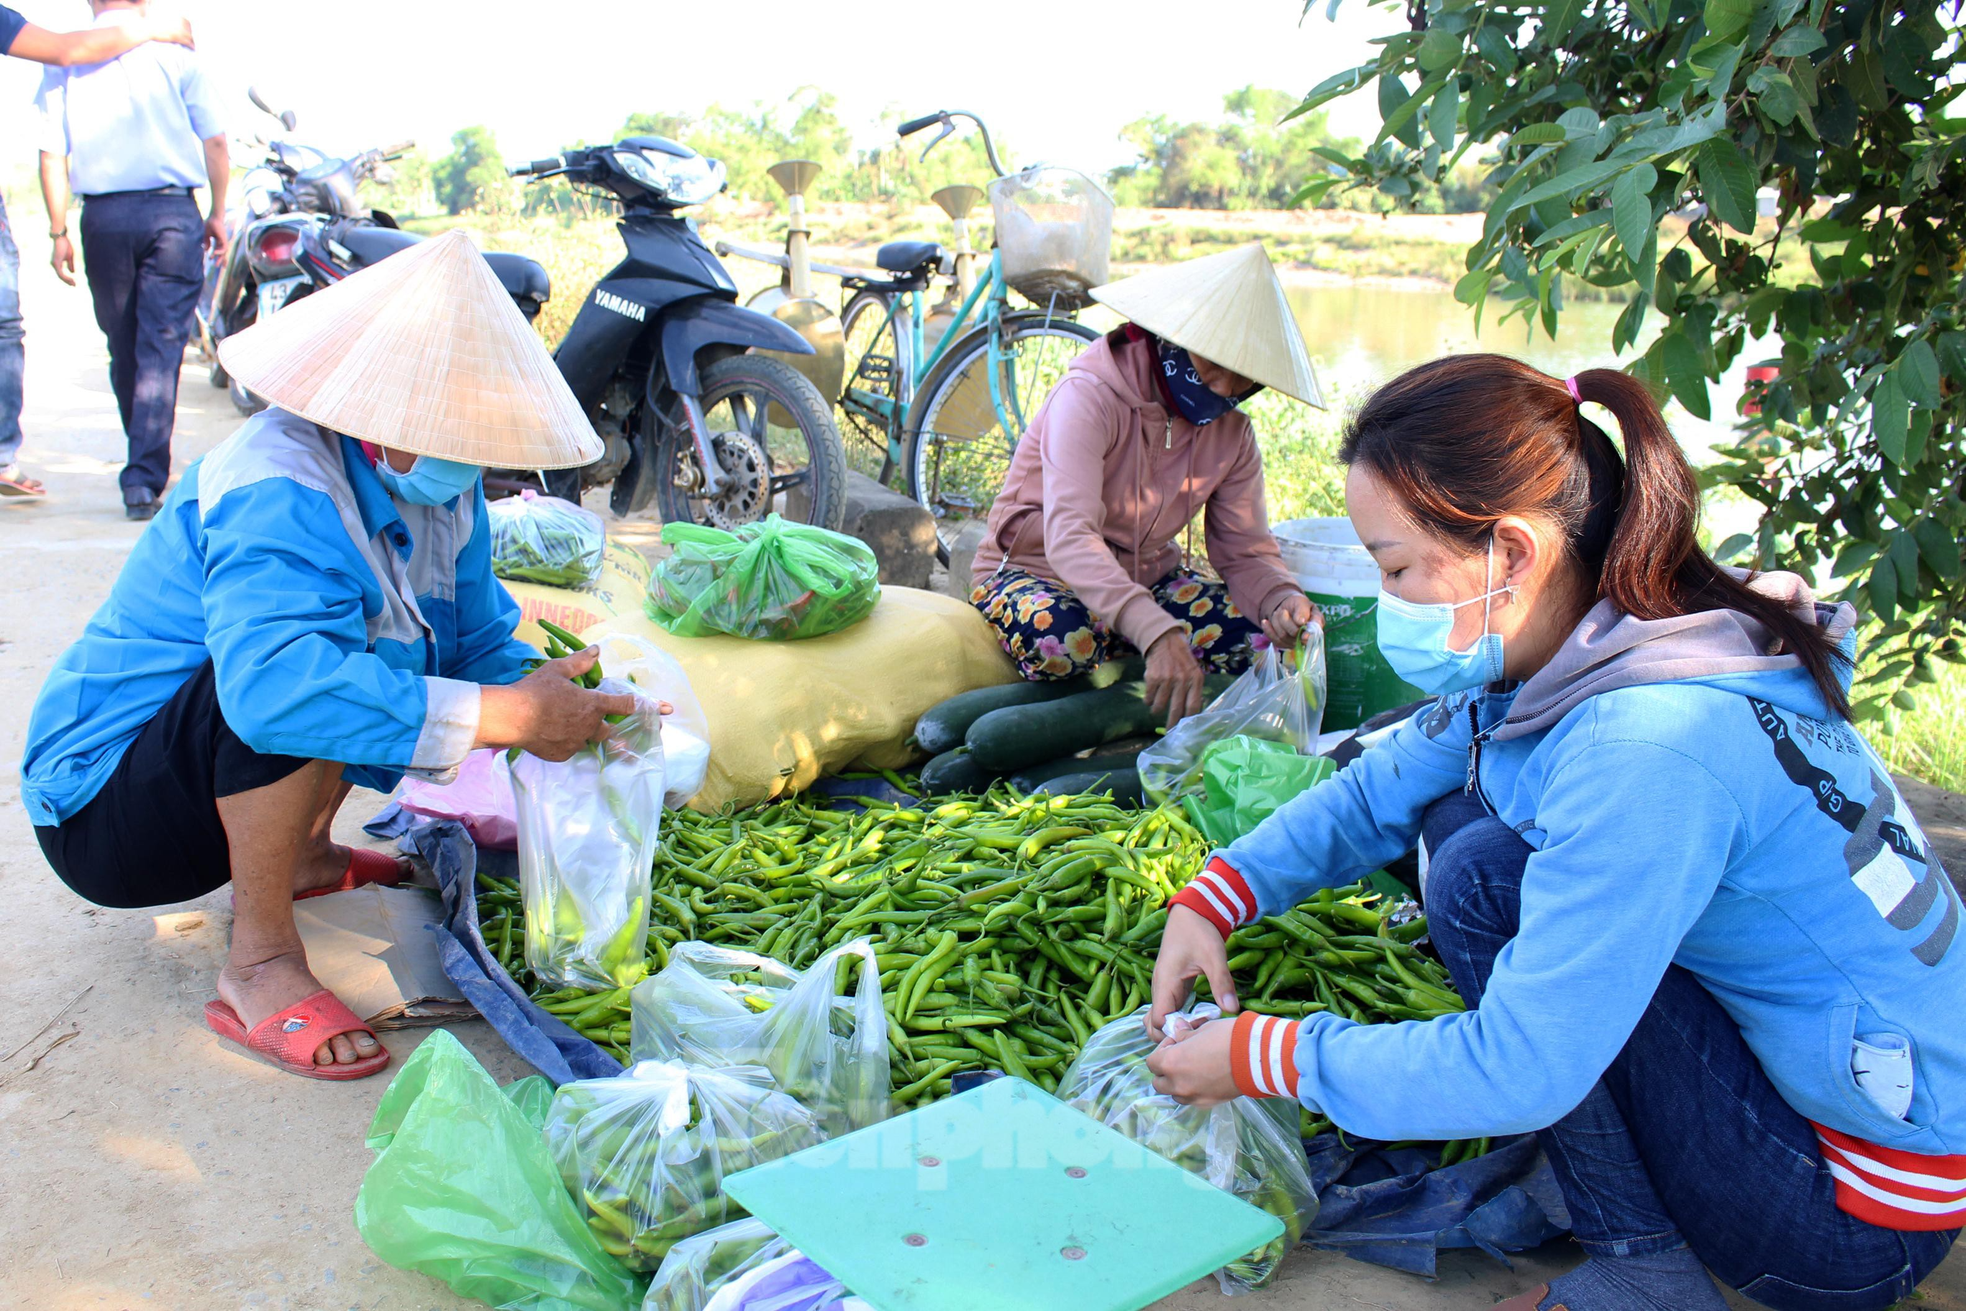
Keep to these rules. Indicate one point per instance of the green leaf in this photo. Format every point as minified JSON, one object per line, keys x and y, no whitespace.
{"x":1727,"y":183}
{"x":1916,"y":436}
{"x":1882,"y":588}
{"x":1442,"y":113}
{"x":1938,"y":547}
{"x":1400,"y":109}
{"x":1561,"y":16}
{"x":1952,"y":354}
{"x":1918,"y":372}
{"x":1631,"y":209}
{"x":1726,"y":18}
{"x":1576,"y":181}
{"x":1730,"y":549}
{"x":1571,"y":228}
{"x":1537,"y":134}
{"x":1852,"y":558}
{"x":1904,"y":562}
{"x":1338,"y":84}
{"x":1864,"y":75}
{"x":1625,"y":332}
{"x":1472,"y":289}
{"x":1890,"y":418}
{"x":1686,"y":374}
{"x":1801,"y":39}
{"x":1438,"y":50}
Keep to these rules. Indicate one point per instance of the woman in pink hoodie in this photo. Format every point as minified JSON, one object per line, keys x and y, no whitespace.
{"x":1081,"y":560}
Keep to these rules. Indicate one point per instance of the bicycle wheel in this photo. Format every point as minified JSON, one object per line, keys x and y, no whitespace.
{"x":958,"y":447}
{"x":872,"y":364}
{"x":798,"y":471}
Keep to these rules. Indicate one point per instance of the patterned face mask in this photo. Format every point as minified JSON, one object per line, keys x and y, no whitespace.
{"x":1197,"y":404}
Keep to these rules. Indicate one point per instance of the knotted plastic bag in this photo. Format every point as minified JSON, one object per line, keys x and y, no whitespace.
{"x":543,"y":539}
{"x":823,"y":1044}
{"x":463,"y":1190}
{"x":1246,"y":1146}
{"x":771,"y":581}
{"x":1244,"y":780}
{"x":1280,"y":699}
{"x":588,"y":830}
{"x":645,"y":1153}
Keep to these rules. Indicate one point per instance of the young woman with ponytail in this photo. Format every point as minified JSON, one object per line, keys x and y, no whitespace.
{"x":1708,"y":954}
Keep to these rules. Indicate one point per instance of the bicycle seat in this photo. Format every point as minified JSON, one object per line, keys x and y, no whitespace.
{"x":909,"y":256}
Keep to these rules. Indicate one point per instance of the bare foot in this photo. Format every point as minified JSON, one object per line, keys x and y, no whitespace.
{"x":257,"y":989}
{"x":324,"y":866}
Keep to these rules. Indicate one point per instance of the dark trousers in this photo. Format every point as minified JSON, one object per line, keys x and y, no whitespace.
{"x":144,"y":263}
{"x":1683,"y":1141}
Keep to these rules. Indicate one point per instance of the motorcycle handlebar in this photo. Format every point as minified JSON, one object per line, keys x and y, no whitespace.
{"x":915,"y":125}
{"x":536,"y":166}
{"x":397,"y":151}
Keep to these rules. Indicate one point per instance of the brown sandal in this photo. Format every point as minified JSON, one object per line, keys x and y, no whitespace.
{"x":15,"y":483}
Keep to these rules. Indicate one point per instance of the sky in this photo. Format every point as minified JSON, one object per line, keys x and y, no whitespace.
{"x":1056,"y":78}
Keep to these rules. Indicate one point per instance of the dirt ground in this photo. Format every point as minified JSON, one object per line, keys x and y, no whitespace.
{"x":146,"y":1163}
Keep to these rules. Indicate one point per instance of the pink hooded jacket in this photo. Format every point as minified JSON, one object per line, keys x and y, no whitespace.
{"x":1106,"y":479}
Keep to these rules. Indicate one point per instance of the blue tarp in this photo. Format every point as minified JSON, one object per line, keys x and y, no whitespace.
{"x":1384,"y":1205}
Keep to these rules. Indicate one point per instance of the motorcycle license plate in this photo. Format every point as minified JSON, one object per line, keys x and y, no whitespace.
{"x":272,"y":295}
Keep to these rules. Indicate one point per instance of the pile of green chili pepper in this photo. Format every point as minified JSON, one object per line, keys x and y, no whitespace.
{"x":1009,"y":928}
{"x":546,"y":540}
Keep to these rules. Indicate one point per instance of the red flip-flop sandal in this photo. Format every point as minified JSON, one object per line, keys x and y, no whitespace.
{"x":290,"y":1038}
{"x":364,"y":867}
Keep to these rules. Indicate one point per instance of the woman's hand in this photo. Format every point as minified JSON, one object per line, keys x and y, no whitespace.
{"x":1189,"y":946}
{"x":1174,"y":680}
{"x":1288,"y":619}
{"x":1194,"y":1068}
{"x":549,"y":714}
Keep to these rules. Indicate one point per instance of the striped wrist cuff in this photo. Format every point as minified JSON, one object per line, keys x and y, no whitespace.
{"x":1219,"y":895}
{"x":1263,"y":1056}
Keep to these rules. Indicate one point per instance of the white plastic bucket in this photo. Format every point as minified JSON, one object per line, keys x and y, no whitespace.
{"x":1333,"y":567}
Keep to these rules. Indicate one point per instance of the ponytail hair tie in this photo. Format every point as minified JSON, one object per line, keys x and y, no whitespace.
{"x":1570,"y":385}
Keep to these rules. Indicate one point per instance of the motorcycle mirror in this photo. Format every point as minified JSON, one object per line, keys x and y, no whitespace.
{"x":252,"y":94}
{"x":287,"y":119}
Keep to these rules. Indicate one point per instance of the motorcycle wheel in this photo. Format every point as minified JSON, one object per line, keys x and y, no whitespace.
{"x":217,"y":374}
{"x":798,"y":471}
{"x":247,"y":403}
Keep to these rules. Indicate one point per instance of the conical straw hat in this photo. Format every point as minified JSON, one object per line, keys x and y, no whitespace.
{"x":423,"y":352}
{"x":1229,"y":309}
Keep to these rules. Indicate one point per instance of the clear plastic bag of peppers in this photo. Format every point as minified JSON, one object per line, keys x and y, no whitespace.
{"x":543,"y":539}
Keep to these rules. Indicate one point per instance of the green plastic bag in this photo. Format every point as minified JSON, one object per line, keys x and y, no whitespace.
{"x":463,"y":1189}
{"x":771,"y":581}
{"x":1244,"y":780}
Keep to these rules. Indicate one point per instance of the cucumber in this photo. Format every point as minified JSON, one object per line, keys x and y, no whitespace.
{"x":1019,"y":736}
{"x":1124,"y":784}
{"x":955,"y":771}
{"x":942,"y":728}
{"x":1117,"y":755}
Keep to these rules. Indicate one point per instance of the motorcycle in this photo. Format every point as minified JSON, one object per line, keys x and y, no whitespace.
{"x":668,"y":365}
{"x":303,"y":228}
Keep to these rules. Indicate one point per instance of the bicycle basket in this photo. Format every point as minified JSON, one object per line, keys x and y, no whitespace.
{"x":1054,"y":230}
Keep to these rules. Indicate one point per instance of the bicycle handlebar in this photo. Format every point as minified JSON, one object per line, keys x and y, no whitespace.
{"x":915,"y":125}
{"x":943,"y":117}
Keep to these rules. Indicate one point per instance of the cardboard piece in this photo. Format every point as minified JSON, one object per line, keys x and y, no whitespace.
{"x":373,"y":946}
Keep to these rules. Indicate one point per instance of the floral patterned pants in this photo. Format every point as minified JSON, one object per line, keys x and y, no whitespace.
{"x":1050,"y":634}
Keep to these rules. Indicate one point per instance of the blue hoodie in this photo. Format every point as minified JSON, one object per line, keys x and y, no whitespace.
{"x":1689,"y":800}
{"x":342,"y":624}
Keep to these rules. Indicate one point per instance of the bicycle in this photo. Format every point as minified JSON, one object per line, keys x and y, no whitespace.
{"x":948,"y":410}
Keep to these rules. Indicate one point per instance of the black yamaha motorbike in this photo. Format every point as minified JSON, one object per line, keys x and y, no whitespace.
{"x":666,"y":363}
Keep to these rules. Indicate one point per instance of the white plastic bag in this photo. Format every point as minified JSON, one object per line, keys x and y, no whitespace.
{"x":685,"y":730}
{"x":703,"y":1263}
{"x":646,"y":1152}
{"x":588,"y":830}
{"x":716,"y":1006}
{"x":1280,"y":699}
{"x":1246,"y":1146}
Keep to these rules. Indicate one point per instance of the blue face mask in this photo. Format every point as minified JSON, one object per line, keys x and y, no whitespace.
{"x":430,"y":481}
{"x":1198,"y":405}
{"x":1413,"y":638}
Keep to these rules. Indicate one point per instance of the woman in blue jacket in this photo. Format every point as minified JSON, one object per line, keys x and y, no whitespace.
{"x":314,"y":607}
{"x":1710,"y":957}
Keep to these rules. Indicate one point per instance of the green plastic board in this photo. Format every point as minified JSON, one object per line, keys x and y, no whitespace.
{"x":1005,"y":1198}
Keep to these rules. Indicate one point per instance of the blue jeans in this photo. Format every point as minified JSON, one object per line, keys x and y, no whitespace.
{"x":143,"y":256}
{"x":13,"y":358}
{"x":1683,"y":1140}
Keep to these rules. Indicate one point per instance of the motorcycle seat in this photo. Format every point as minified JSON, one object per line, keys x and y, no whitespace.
{"x":371,"y":245}
{"x":909,"y":256}
{"x":520,"y":275}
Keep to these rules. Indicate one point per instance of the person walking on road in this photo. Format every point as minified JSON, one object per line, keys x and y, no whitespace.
{"x":23,"y":40}
{"x":134,"y":136}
